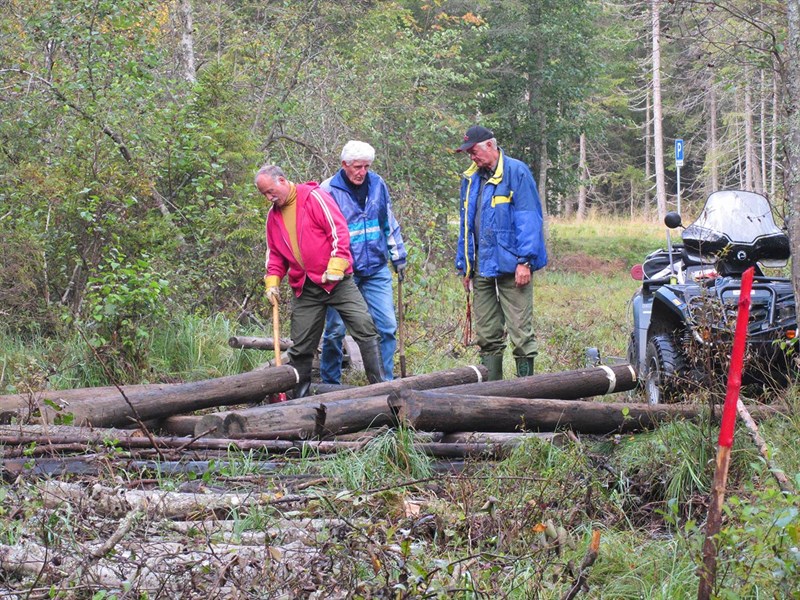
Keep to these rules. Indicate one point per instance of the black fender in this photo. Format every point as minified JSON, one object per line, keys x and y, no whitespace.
{"x":669,"y":313}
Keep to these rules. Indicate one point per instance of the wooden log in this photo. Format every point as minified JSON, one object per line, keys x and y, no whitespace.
{"x":111,"y":409}
{"x":156,"y":503}
{"x":438,"y":379}
{"x":45,"y":431}
{"x":211,"y":425}
{"x":288,"y":421}
{"x":257,"y":343}
{"x":464,"y":450}
{"x":292,"y":422}
{"x":441,"y":411}
{"x":12,"y":435}
{"x":178,"y":425}
{"x":11,"y":405}
{"x":247,"y":420}
{"x":350,"y":415}
{"x":502,"y":437}
{"x":563,"y":385}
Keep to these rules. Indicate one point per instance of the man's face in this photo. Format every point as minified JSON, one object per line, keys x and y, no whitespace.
{"x":484,"y":154}
{"x":356,"y":171}
{"x":276,"y":190}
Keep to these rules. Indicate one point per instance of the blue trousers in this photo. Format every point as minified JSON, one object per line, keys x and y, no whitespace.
{"x":377,"y":292}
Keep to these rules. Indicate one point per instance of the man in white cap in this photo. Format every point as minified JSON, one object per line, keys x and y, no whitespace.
{"x":375,"y":241}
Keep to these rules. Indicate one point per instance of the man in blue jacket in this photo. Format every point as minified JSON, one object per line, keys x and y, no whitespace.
{"x":375,"y":241}
{"x":500,"y":244}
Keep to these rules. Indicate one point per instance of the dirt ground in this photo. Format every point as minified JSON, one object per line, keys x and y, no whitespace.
{"x":586,"y":264}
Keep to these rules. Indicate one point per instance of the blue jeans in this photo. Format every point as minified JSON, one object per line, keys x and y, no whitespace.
{"x":377,"y":292}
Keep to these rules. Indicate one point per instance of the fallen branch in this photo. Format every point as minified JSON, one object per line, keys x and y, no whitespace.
{"x":752,"y":429}
{"x":156,"y":503}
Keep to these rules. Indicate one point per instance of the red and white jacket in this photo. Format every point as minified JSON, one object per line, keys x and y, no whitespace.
{"x":321,"y":234}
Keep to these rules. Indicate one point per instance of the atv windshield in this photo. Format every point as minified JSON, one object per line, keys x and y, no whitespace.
{"x":737,"y":222}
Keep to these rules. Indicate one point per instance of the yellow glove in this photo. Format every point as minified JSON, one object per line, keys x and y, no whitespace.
{"x":271,"y":282}
{"x":335,"y":271}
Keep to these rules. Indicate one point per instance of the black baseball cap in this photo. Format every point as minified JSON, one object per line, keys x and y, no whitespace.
{"x":475,"y":135}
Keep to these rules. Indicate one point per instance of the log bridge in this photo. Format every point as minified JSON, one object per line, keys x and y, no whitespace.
{"x":446,"y":402}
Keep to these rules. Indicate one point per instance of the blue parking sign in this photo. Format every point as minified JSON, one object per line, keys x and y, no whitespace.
{"x":678,"y":153}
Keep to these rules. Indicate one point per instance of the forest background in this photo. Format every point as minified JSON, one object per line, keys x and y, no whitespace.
{"x":130,"y":131}
{"x":132,"y":242}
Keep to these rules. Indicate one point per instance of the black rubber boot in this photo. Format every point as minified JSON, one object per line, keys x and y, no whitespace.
{"x":373,"y":364}
{"x":303,"y":367}
{"x":494,"y":364}
{"x":524,"y":366}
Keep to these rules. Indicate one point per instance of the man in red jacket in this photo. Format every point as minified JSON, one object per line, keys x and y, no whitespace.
{"x":307,"y":237}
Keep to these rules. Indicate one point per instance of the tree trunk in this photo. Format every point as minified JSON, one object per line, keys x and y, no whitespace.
{"x":648,"y":156}
{"x":241,"y":342}
{"x":186,"y":54}
{"x":583,"y":178}
{"x":773,"y":166}
{"x":118,"y":407}
{"x":658,"y":139}
{"x":791,"y":99}
{"x":356,"y":414}
{"x":543,"y":165}
{"x":752,"y":180}
{"x":763,"y":132}
{"x":564,"y":385}
{"x":445,"y":411}
{"x":712,"y":154}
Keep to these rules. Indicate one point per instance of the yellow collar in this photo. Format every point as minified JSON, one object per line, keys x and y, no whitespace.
{"x":496,"y":178}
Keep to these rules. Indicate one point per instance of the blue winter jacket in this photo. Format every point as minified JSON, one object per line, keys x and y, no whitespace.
{"x":374,"y":232}
{"x":510,"y":227}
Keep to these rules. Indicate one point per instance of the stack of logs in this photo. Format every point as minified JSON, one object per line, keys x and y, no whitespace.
{"x":449,"y":402}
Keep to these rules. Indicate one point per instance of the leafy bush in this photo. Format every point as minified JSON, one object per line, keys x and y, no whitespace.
{"x":122,"y":299}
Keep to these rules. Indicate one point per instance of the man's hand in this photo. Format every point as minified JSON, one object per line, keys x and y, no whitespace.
{"x":522,"y":276}
{"x":467,"y":281}
{"x":335,"y":271}
{"x":274,"y":295}
{"x":271,"y":283}
{"x":332,"y":276}
{"x":400,"y":269}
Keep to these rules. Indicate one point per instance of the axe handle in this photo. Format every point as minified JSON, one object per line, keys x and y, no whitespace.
{"x":276,"y":340}
{"x":401,"y":327}
{"x":276,"y":334}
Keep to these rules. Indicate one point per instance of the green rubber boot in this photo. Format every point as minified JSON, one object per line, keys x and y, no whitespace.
{"x":494,"y":364}
{"x":524,"y":366}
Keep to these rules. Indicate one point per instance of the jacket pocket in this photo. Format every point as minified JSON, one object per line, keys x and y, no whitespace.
{"x":506,"y":251}
{"x":501,"y":199}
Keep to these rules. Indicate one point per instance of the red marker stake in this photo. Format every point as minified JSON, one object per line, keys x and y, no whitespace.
{"x":709,"y":570}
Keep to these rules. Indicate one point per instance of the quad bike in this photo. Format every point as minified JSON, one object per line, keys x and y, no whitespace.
{"x":684,"y":313}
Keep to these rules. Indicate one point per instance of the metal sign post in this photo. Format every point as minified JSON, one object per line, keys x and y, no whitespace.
{"x":678,"y":165}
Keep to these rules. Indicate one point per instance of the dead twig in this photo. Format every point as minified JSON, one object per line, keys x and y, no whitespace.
{"x":752,"y":429}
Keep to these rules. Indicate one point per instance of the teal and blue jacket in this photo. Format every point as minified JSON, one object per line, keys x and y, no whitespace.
{"x":374,"y":232}
{"x":510,"y":230}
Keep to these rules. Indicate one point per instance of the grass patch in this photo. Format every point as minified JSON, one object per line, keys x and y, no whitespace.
{"x":607,"y":239}
{"x":390,"y":457}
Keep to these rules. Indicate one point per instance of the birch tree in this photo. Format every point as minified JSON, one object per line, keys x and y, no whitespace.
{"x":791,"y":81}
{"x":658,"y":136}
